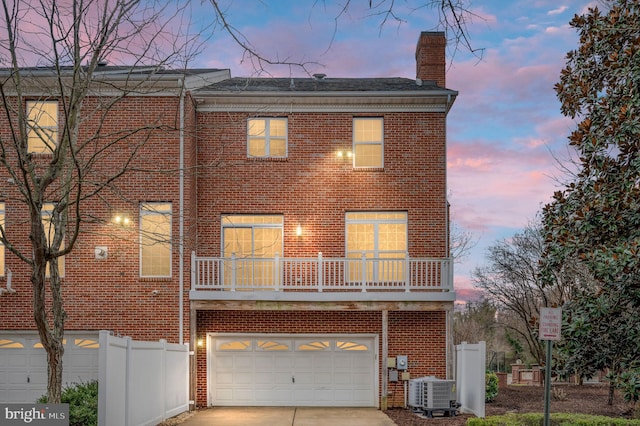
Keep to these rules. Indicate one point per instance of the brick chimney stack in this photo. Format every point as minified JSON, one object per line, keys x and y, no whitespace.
{"x":430,"y":57}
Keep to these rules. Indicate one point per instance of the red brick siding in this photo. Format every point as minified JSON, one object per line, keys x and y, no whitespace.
{"x":313,"y":188}
{"x":108,"y":294}
{"x":419,"y":335}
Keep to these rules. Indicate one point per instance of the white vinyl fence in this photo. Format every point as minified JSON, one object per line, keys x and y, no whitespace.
{"x":141,"y":383}
{"x":470,"y":377}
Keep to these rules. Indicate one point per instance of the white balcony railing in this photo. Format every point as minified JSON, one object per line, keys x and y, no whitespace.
{"x":320,"y":274}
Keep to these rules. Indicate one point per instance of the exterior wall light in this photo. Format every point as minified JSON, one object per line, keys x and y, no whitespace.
{"x":299,"y":231}
{"x":200,"y":343}
{"x":121,"y":219}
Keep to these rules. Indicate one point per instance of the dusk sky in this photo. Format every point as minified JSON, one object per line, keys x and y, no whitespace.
{"x":505,"y":128}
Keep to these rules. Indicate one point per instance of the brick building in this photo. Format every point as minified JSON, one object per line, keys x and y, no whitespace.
{"x":300,"y":239}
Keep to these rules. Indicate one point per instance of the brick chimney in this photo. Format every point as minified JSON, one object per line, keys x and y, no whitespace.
{"x":430,"y":57}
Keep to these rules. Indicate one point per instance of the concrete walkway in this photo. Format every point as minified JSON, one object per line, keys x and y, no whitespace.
{"x":288,"y":416}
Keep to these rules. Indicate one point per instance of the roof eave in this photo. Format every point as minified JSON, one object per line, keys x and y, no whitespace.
{"x":282,"y":101}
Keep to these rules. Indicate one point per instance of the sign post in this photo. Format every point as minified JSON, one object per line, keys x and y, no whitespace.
{"x":550,"y":326}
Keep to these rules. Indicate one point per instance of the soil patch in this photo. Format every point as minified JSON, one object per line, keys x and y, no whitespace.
{"x":586,"y":399}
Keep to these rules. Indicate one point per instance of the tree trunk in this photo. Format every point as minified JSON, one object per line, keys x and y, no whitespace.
{"x":52,"y":338}
{"x":612,"y":388}
{"x":54,"y":372}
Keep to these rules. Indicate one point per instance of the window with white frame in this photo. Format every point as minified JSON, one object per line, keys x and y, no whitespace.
{"x":49,"y":230}
{"x":368,"y":142}
{"x":267,"y":137}
{"x":381,"y":238}
{"x":42,"y":126}
{"x":2,"y":265}
{"x":155,"y":239}
{"x":253,"y":242}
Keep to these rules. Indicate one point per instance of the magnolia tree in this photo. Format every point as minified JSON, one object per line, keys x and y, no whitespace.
{"x":596,"y":218}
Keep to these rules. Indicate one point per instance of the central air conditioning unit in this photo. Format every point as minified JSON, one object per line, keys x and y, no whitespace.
{"x":429,"y":394}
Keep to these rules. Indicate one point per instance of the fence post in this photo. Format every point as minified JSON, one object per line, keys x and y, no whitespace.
{"x":103,"y":340}
{"x":128,"y":380}
{"x":163,"y":379}
{"x":320,"y":272}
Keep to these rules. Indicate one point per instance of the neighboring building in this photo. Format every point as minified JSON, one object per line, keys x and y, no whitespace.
{"x":309,"y":239}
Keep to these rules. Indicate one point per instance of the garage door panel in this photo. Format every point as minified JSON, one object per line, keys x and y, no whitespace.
{"x":281,"y":362}
{"x":16,"y":359}
{"x":243,"y":395}
{"x":276,"y":394}
{"x":225,"y":378}
{"x":263,"y":378}
{"x":243,"y":378}
{"x":283,"y":379}
{"x":302,"y":379}
{"x":224,"y":361}
{"x":243,"y":361}
{"x":324,"y":395}
{"x":38,"y":378}
{"x":322,"y":379}
{"x":315,"y":371}
{"x":224,"y":394}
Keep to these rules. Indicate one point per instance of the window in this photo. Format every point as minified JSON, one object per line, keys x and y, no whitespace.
{"x":250,"y":239}
{"x":368,"y":143}
{"x":155,"y":239}
{"x":49,"y":230}
{"x":381,"y":237}
{"x":42,"y":126}
{"x":2,"y":245}
{"x":267,"y":137}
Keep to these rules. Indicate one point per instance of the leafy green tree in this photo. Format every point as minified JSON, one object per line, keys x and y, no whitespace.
{"x":596,"y":218}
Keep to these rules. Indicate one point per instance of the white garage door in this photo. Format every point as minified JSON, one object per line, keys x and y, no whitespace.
{"x":268,"y":370}
{"x":23,"y":364}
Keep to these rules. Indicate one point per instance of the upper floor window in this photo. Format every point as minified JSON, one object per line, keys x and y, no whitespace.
{"x":42,"y":126}
{"x":381,"y":237}
{"x":267,"y":137}
{"x":2,"y":245}
{"x":368,"y":143}
{"x":155,"y":239}
{"x":255,"y":241}
{"x":49,"y":229}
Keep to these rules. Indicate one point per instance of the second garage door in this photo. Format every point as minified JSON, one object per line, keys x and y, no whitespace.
{"x":23,"y":364}
{"x":268,"y":370}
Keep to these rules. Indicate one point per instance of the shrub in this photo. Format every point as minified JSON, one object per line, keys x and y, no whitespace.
{"x":629,"y":384}
{"x":83,"y":403}
{"x":491,"y":386}
{"x":557,"y":419}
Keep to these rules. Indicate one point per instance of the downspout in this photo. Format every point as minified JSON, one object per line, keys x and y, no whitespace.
{"x":450,"y":344}
{"x":383,"y":363}
{"x":181,"y":221}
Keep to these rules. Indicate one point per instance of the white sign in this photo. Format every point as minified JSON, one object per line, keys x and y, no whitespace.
{"x":550,"y":323}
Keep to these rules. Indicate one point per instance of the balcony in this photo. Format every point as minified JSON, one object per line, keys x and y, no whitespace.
{"x":321,"y":279}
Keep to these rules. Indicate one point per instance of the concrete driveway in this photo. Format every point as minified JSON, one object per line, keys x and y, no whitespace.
{"x":288,"y":416}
